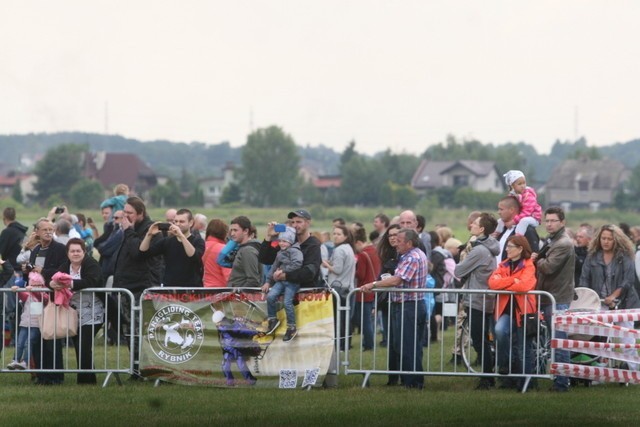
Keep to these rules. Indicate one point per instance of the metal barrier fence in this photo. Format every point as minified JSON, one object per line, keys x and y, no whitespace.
{"x":100,"y":345}
{"x":108,"y":344}
{"x":506,"y":352}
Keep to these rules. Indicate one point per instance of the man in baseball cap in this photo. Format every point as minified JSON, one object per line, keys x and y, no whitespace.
{"x":309,"y":274}
{"x":301,"y":213}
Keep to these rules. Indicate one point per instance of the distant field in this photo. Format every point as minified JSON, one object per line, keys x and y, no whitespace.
{"x":454,"y":218}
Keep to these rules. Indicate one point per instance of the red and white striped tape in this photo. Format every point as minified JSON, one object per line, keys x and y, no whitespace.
{"x":614,"y":331}
{"x":596,"y":373}
{"x":603,"y":349}
{"x":630,"y":315}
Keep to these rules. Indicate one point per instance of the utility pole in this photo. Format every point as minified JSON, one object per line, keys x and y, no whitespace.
{"x":106,"y":118}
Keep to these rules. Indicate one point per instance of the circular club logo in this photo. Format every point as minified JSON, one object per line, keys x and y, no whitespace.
{"x":175,"y":334}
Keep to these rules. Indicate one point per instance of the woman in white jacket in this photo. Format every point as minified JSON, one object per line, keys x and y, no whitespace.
{"x":342,"y":269}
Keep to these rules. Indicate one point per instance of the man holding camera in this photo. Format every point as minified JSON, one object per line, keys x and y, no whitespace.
{"x":182,"y":250}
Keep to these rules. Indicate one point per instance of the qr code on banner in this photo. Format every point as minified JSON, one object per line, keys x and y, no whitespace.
{"x":310,"y":377}
{"x":288,"y":378}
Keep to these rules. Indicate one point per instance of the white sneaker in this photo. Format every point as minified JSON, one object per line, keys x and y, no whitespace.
{"x":21,"y":366}
{"x":12,"y":366}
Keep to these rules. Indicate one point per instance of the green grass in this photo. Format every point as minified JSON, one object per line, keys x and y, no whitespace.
{"x":445,"y":401}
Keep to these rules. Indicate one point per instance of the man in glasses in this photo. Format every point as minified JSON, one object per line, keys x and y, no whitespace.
{"x":555,"y":265}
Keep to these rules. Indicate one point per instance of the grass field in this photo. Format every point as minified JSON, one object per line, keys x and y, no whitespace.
{"x":454,"y":218}
{"x":444,"y":401}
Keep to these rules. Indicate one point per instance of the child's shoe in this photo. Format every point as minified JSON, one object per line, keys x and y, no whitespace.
{"x":273,"y":325}
{"x":290,"y":334}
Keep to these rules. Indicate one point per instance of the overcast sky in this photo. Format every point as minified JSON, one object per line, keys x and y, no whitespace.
{"x":400,"y":74}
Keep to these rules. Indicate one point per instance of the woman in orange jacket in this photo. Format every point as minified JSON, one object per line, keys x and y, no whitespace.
{"x":517,"y":273}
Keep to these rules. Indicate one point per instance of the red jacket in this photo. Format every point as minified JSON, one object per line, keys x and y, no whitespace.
{"x":367,"y":272}
{"x":503,"y":279}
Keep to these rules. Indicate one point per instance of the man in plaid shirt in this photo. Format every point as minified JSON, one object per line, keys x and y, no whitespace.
{"x":408,"y":309}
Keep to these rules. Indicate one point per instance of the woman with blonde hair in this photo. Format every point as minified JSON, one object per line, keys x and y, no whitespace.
{"x":610,"y":271}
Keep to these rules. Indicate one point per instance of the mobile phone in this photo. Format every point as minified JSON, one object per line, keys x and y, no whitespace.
{"x":164,"y":226}
{"x":279,"y":228}
{"x":59,"y":209}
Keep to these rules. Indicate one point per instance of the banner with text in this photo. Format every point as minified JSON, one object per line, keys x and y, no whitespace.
{"x":216,"y":337}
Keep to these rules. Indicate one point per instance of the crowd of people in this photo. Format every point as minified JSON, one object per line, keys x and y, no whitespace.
{"x":186,"y":250}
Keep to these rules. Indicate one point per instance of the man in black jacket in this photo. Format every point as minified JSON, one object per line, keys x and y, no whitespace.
{"x":309,"y":274}
{"x":11,"y":237}
{"x":182,"y":251}
{"x":134,"y":270}
{"x":508,"y":208}
{"x":10,"y":243}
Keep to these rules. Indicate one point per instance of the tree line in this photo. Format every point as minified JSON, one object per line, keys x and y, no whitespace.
{"x":269,"y":163}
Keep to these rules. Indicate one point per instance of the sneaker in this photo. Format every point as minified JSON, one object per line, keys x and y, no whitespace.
{"x":21,"y":366}
{"x":273,"y":325}
{"x":291,"y":333}
{"x":12,"y":366}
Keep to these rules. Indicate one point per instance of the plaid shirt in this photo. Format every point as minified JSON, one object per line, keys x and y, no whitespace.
{"x":413,"y":270}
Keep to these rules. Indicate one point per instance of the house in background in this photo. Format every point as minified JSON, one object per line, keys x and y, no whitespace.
{"x":475,"y":174}
{"x":111,"y":169}
{"x":585,"y":183}
{"x":212,"y":187}
{"x":9,"y":181}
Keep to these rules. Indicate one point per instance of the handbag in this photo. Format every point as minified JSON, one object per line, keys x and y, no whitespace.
{"x":58,"y":321}
{"x":341,"y":288}
{"x":530,"y":322}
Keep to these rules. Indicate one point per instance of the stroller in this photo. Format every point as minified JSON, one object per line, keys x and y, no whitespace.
{"x":586,"y":300}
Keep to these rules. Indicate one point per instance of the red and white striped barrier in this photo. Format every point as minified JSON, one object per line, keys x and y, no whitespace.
{"x":603,"y":349}
{"x":630,"y":315}
{"x":595,"y":373}
{"x":600,"y":324}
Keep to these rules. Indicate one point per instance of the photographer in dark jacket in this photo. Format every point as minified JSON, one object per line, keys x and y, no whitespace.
{"x":134,"y":270}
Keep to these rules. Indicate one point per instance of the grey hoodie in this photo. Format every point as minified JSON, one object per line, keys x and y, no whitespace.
{"x":476,"y":269}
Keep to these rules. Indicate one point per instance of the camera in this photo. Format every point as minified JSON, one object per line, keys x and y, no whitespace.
{"x":59,"y":209}
{"x":279,"y":228}
{"x":164,"y":226}
{"x":29,"y":267}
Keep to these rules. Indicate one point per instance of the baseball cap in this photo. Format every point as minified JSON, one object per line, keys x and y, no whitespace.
{"x":300,"y":213}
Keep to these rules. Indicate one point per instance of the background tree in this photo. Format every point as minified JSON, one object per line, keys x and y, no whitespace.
{"x":166,"y":195}
{"x":17,"y":193}
{"x":232,"y":193}
{"x":270,"y":166}
{"x":58,"y":171}
{"x":362,"y":180}
{"x":628,"y":196}
{"x":86,"y":194}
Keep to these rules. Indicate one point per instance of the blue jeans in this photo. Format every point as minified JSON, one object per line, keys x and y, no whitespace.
{"x":362,"y":319}
{"x":561,"y":356}
{"x":27,"y":337}
{"x":480,"y":324}
{"x":405,"y":347}
{"x":289,"y":290}
{"x":510,"y":341}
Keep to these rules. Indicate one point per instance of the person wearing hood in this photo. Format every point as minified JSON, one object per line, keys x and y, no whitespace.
{"x":246,"y":270}
{"x":10,"y":245}
{"x":11,"y":237}
{"x":289,"y":258}
{"x":475,"y":270}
